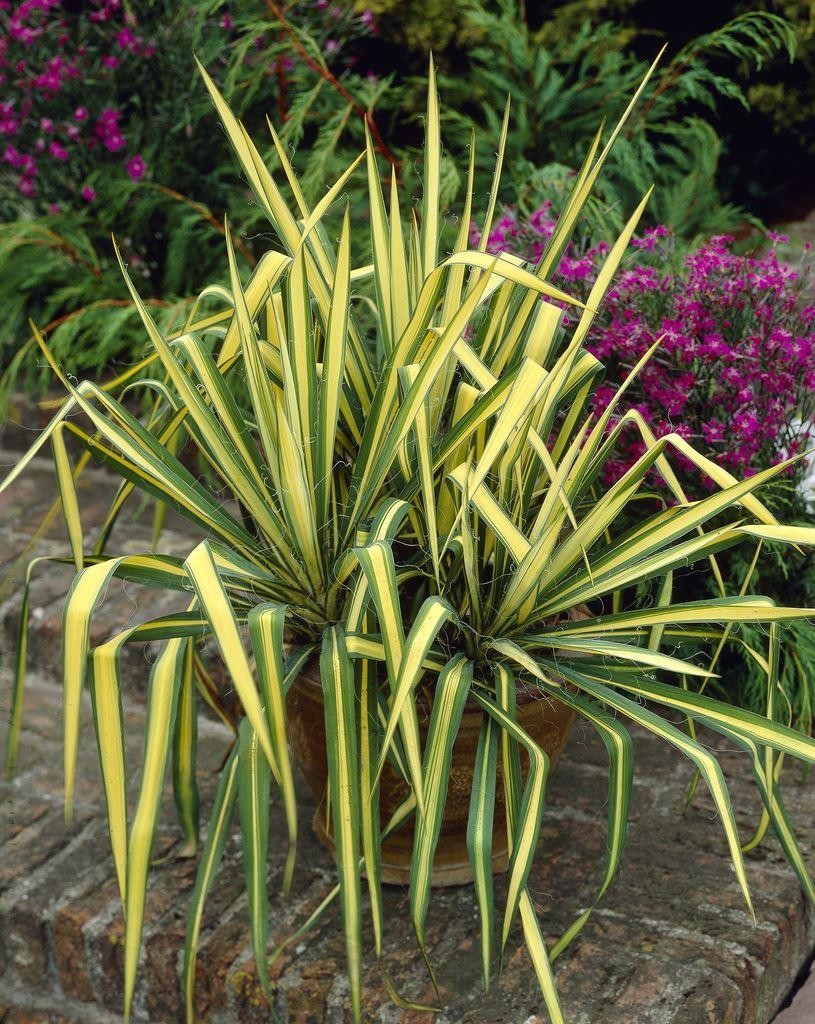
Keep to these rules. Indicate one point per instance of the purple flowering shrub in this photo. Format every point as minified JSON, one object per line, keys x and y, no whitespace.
{"x":734,"y":373}
{"x":735,"y":370}
{"x":106,"y":128}
{"x":72,"y":83}
{"x":60,"y":76}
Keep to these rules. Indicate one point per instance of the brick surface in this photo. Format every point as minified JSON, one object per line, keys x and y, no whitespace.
{"x":671,"y":942}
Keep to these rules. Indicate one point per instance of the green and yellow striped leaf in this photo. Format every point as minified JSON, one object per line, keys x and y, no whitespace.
{"x":223,"y":810}
{"x":452,"y":690}
{"x":165,"y":681}
{"x":254,"y":787}
{"x":337,"y":674}
{"x":479,"y":836}
{"x":266,"y":629}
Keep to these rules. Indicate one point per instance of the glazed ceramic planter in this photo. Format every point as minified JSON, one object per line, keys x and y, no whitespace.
{"x":548,"y":721}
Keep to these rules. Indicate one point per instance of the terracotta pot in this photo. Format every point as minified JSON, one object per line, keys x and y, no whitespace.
{"x":548,"y":721}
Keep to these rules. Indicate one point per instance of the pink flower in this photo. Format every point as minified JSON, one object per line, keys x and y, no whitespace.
{"x":81,"y":114}
{"x":88,"y":194}
{"x":53,"y":207}
{"x":108,"y":132}
{"x":110,"y":62}
{"x":331,"y":46}
{"x":226,"y":22}
{"x":135,"y":167}
{"x":46,"y":124}
{"x":58,"y":151}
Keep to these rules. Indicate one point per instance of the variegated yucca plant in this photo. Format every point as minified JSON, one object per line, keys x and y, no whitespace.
{"x":424,"y":505}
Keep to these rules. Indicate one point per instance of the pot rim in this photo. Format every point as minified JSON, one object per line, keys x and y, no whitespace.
{"x":309,"y":679}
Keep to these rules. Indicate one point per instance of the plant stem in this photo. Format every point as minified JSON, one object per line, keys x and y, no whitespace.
{"x":334,"y":82}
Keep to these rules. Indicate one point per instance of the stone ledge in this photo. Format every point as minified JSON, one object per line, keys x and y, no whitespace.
{"x":672,"y":941}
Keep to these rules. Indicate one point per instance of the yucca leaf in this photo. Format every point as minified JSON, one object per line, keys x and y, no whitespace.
{"x":782,"y":533}
{"x":259,"y":178}
{"x":747,"y":608}
{"x":432,"y":176}
{"x":301,"y":399}
{"x":377,"y":563}
{"x":450,"y":696}
{"x":377,"y":451}
{"x":254,"y":785}
{"x":67,"y":494}
{"x":312,"y":223}
{"x":86,"y":590}
{"x":716,"y":714}
{"x":369,"y":747}
{"x":585,"y":588}
{"x":702,"y":759}
{"x":260,"y":388}
{"x":337,"y":674}
{"x":223,"y":810}
{"x":106,"y":698}
{"x":380,"y":245}
{"x":486,"y":228}
{"x":266,"y":629}
{"x":298,"y":509}
{"x":586,"y":181}
{"x":521,"y":398}
{"x":242,"y":477}
{"x":430,"y":618}
{"x":185,"y":743}
{"x":262,"y":282}
{"x":333,"y":372}
{"x":20,"y":663}
{"x":479,"y":836}
{"x":165,"y":680}
{"x":215,"y":604}
{"x":141,"y":459}
{"x":529,"y":810}
{"x":400,"y":299}
{"x":631,"y":653}
{"x":775,"y":810}
{"x":540,"y":958}
{"x":422,"y":446}
{"x":510,"y":761}
{"x":619,"y":747}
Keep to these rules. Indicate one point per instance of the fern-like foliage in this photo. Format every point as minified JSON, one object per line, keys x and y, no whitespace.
{"x":312,"y":72}
{"x":556,"y":92}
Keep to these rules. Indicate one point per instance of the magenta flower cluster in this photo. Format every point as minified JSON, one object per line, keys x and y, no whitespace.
{"x":734,"y":371}
{"x":49,"y":60}
{"x":528,"y":236}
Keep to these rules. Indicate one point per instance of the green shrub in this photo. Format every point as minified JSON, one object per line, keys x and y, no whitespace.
{"x":322,"y":73}
{"x":427,"y":509}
